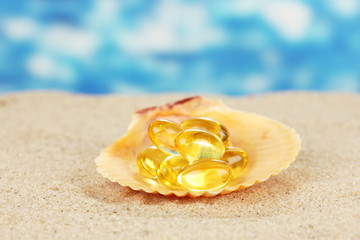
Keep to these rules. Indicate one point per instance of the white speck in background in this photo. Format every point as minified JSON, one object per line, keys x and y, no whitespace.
{"x":343,"y":82}
{"x":19,"y":28}
{"x":173,"y":27}
{"x":345,"y":8}
{"x":243,"y":7}
{"x":121,"y":86}
{"x":105,"y":14}
{"x":255,"y":83}
{"x":41,"y":66}
{"x":64,"y":39}
{"x":45,"y":68}
{"x":291,"y":19}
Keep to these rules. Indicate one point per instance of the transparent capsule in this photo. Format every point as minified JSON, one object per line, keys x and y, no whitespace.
{"x":148,"y":161}
{"x":162,"y":134}
{"x":205,"y":174}
{"x":196,"y":144}
{"x":209,"y":125}
{"x":236,"y":158}
{"x":169,"y":170}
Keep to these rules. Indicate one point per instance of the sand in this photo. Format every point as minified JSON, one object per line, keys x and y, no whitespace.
{"x":50,"y":188}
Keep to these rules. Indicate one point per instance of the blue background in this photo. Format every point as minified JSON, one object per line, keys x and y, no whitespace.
{"x":231,"y":47}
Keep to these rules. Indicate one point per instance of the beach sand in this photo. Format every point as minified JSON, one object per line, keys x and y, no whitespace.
{"x":50,"y":188}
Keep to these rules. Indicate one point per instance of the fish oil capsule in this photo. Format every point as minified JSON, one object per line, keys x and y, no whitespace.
{"x":236,"y":158}
{"x":209,"y":125}
{"x":196,"y":144}
{"x":169,"y":170}
{"x":205,"y":174}
{"x":149,"y":160}
{"x":162,"y":134}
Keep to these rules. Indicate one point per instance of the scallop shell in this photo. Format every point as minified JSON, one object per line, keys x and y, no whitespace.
{"x":271,"y":146}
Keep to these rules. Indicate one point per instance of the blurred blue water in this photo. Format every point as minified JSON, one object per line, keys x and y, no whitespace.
{"x":230,"y":47}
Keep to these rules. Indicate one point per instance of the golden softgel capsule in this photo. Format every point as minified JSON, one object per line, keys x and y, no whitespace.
{"x":206,"y":174}
{"x":209,"y":125}
{"x":148,"y":161}
{"x":169,"y":170}
{"x":196,"y":144}
{"x":162,"y":134}
{"x":236,"y":158}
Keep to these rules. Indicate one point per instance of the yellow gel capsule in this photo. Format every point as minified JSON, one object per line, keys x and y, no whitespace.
{"x":162,"y":134}
{"x":149,"y":160}
{"x":206,"y":174}
{"x":196,"y":144}
{"x":209,"y":125}
{"x":169,"y":170}
{"x":236,"y":158}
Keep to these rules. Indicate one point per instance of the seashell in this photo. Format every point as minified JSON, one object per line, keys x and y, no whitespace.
{"x":270,"y":146}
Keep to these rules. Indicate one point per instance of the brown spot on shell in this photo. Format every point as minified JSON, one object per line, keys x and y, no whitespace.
{"x":182,"y":101}
{"x":265,"y":135}
{"x":145,"y":110}
{"x":168,"y":105}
